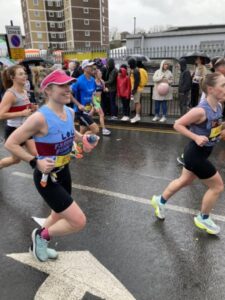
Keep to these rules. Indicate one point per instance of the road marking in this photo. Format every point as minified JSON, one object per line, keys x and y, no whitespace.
{"x":172,"y":207}
{"x":73,"y":275}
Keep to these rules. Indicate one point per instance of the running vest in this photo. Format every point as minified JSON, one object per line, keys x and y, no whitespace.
{"x":58,"y":142}
{"x":212,"y":126}
{"x":22,"y":102}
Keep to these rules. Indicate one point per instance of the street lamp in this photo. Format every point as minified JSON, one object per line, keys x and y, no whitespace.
{"x":134,"y":25}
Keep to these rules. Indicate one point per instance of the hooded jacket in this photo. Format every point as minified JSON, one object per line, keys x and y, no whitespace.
{"x":111,"y":75}
{"x":123,"y":84}
{"x":162,"y":76}
{"x":134,"y":75}
{"x":185,"y":80}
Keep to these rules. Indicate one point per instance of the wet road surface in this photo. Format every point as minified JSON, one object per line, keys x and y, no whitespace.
{"x":153,"y":260}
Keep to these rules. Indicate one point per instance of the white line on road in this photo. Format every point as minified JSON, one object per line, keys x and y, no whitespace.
{"x":172,"y":207}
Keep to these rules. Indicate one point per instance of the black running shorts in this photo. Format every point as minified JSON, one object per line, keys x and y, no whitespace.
{"x":84,"y":119}
{"x":196,"y":160}
{"x":57,"y":195}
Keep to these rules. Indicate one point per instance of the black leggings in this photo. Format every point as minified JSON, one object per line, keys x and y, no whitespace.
{"x":56,"y":194}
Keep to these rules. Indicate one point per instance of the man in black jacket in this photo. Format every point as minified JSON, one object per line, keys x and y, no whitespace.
{"x":184,"y":86}
{"x":111,"y":84}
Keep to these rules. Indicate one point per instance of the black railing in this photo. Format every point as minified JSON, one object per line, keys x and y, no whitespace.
{"x":147,"y":103}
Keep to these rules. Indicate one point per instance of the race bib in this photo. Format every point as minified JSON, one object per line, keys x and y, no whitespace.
{"x":62,"y":160}
{"x":87,"y":107}
{"x":215,"y":132}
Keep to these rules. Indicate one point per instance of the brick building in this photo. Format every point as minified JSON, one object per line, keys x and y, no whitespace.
{"x":68,"y":24}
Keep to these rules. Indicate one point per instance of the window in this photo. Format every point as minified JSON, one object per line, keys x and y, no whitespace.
{"x":36,"y":13}
{"x":59,"y":14}
{"x":60,"y":25}
{"x":87,"y":33}
{"x":51,"y":14}
{"x":85,"y":0}
{"x":37,"y":24}
{"x":103,"y":28}
{"x":103,"y":19}
{"x":58,"y":3}
{"x":87,"y":44}
{"x":61,"y":35}
{"x":103,"y":9}
{"x":35,"y":2}
{"x":52,"y":25}
{"x":86,"y":22}
{"x":50,"y":3}
{"x":40,"y":46}
{"x":53,"y":35}
{"x":86,"y":10}
{"x":39,"y":35}
{"x":103,"y":1}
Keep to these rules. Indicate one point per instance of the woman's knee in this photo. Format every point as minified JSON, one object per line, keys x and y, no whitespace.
{"x":79,"y":222}
{"x":219,"y":188}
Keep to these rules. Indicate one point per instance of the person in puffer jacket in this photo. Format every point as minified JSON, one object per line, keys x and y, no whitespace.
{"x":124,"y":92}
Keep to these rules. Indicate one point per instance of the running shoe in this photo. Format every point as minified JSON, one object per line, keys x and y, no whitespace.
{"x":106,"y":131}
{"x":206,"y":224}
{"x":40,"y":246}
{"x":180,"y":160}
{"x":158,"y":206}
{"x":52,"y":254}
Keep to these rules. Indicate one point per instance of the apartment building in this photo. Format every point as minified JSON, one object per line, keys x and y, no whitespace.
{"x":68,"y":24}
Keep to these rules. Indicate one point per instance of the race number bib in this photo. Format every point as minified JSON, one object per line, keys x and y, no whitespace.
{"x":62,"y":160}
{"x":215,"y":130}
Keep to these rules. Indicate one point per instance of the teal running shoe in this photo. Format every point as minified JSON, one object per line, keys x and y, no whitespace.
{"x":52,"y":253}
{"x":158,"y":206}
{"x":206,"y":224}
{"x":40,"y":246}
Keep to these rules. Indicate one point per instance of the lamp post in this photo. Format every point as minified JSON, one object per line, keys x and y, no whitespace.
{"x":134,"y":25}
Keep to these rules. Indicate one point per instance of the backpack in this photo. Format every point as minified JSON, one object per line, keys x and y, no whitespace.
{"x":143,"y":77}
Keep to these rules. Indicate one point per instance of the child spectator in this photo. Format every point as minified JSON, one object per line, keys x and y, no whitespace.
{"x":124,"y":92}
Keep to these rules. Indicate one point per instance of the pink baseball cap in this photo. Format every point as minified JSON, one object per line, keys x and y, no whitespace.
{"x":58,"y":77}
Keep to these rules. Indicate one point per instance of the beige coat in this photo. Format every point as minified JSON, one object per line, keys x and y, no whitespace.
{"x":162,"y":76}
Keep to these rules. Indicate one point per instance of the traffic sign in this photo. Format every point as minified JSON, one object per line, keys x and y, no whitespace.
{"x":15,"y":42}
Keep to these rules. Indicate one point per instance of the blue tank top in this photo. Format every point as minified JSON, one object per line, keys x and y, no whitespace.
{"x":58,"y":142}
{"x":212,"y":126}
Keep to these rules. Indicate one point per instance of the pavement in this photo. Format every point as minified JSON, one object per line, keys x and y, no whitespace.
{"x":124,"y":252}
{"x":146,"y":121}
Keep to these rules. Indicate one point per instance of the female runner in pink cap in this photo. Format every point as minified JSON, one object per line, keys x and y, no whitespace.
{"x":52,"y":128}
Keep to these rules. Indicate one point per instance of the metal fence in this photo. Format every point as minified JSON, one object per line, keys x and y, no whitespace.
{"x":168,"y":52}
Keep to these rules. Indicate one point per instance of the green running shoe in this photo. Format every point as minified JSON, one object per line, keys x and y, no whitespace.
{"x":158,"y":206}
{"x":206,"y":224}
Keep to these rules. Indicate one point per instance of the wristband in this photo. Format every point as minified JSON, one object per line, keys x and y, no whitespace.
{"x":33,"y":162}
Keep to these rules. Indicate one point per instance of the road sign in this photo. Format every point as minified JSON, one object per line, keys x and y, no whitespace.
{"x":73,"y":276}
{"x":15,"y":42}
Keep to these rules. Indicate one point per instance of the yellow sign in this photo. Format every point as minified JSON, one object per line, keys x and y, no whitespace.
{"x":84,"y":55}
{"x":17,"y":53}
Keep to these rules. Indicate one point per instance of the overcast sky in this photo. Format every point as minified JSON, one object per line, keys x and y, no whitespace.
{"x":148,"y":13}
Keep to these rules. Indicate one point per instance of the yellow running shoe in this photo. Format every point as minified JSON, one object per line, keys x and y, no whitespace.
{"x":158,"y":206}
{"x":206,"y":224}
